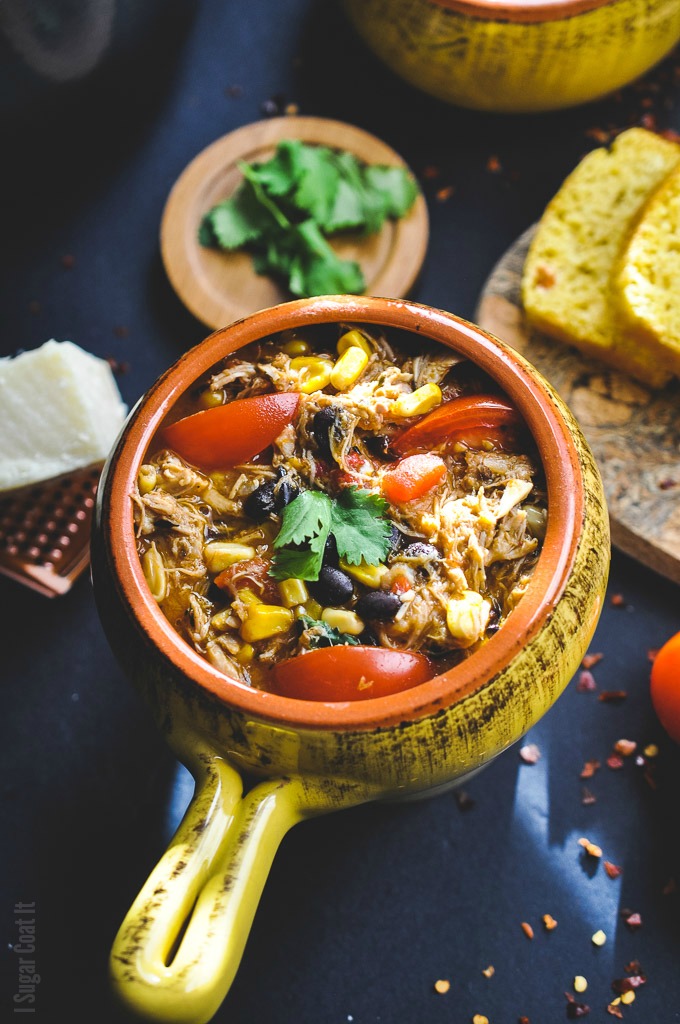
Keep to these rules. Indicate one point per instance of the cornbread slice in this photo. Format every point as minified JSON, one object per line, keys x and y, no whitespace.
{"x":648,"y":282}
{"x":569,"y":270}
{"x":61,"y":410}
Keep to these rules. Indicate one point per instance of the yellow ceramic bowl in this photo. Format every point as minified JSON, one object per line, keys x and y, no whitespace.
{"x":300,"y":758}
{"x":518,"y":55}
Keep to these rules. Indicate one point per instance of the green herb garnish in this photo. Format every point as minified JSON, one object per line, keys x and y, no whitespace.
{"x":286,"y":208}
{"x":356,"y":519}
{"x":320,"y":634}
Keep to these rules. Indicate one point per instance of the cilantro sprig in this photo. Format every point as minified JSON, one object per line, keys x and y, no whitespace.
{"x":287,"y":207}
{"x":320,"y":634}
{"x":357,"y":519}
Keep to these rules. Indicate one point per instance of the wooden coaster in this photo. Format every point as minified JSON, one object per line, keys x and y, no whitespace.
{"x":219,"y":287}
{"x":634,"y":432}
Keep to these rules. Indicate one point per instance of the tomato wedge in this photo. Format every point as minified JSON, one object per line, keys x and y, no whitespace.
{"x":350,"y":673}
{"x":230,"y":434}
{"x":472,"y":419}
{"x":412,"y":477}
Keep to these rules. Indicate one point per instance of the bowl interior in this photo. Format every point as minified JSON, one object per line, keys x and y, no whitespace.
{"x":521,"y":383}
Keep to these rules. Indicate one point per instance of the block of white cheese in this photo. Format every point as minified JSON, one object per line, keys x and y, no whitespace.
{"x":61,"y":410}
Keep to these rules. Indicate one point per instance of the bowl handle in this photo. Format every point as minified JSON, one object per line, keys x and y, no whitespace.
{"x":178,"y":949}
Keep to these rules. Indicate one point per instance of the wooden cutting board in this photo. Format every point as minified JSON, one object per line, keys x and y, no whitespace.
{"x":634,"y":432}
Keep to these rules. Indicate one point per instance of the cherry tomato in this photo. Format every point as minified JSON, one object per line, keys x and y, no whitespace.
{"x":665,"y":686}
{"x":412,"y":477}
{"x":472,"y":419}
{"x":350,"y":673}
{"x":230,"y":434}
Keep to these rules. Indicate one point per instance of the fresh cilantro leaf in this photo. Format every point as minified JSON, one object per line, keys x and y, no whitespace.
{"x":206,"y":235}
{"x":396,"y":186}
{"x":305,"y":517}
{"x":347,"y":210}
{"x":373,"y":204}
{"x":305,"y":521}
{"x":361,"y":527}
{"x":240,"y":219}
{"x":320,"y":634}
{"x":279,"y":175}
{"x":318,"y":183}
{"x":321,"y":270}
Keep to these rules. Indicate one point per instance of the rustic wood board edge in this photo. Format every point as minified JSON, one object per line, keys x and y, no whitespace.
{"x":634,"y":432}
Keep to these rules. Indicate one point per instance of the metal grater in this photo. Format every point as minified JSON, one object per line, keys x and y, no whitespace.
{"x":45,"y":531}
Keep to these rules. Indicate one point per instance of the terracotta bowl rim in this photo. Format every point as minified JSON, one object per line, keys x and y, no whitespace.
{"x":524,"y":10}
{"x":521,"y":382}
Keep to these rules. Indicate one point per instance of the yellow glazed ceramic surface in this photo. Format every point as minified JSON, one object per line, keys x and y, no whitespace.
{"x":522,"y":56}
{"x":303,"y":758}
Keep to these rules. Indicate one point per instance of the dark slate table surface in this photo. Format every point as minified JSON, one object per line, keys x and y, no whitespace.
{"x":366,"y":909}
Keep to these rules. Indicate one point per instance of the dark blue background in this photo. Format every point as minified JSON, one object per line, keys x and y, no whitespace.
{"x":364,"y":910}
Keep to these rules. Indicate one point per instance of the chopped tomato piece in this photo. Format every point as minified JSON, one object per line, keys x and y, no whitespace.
{"x":350,"y":673}
{"x":252,"y":574}
{"x":401,"y":585}
{"x":412,"y":477}
{"x":472,"y":419}
{"x":230,"y":434}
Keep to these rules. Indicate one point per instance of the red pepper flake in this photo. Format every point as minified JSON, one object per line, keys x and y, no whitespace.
{"x":649,"y":122}
{"x":670,"y":887}
{"x":589,"y":769}
{"x":632,"y":919}
{"x":587,"y":797}
{"x":116,"y":366}
{"x":597,"y":134}
{"x":464,"y":800}
{"x":430,"y":172}
{"x":634,"y":967}
{"x":618,"y":601}
{"x":621,"y":985}
{"x":625,"y":747}
{"x":614,"y":762}
{"x":586,"y":682}
{"x":613,"y":696}
{"x":494,"y":165}
{"x":545,"y":276}
{"x":614,"y":1010}
{"x":527,"y":929}
{"x":530,"y":753}
{"x":68,"y":261}
{"x":523,"y":1020}
{"x":575,"y":1009}
{"x":445,"y":193}
{"x":590,"y":660}
{"x":613,"y":870}
{"x":592,"y":849}
{"x":669,"y":133}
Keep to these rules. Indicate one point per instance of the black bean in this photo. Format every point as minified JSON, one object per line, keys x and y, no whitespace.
{"x":333,"y":587}
{"x":261,"y":502}
{"x":396,"y":538}
{"x":378,"y":445}
{"x":322,"y":424}
{"x":285,"y":493}
{"x":426,"y":552}
{"x":378,"y":605}
{"x":368,"y":638}
{"x":330,"y":551}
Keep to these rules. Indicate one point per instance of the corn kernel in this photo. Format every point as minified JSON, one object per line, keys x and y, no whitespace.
{"x":417,"y":402}
{"x":293,"y":592}
{"x":249,"y":597}
{"x":628,"y":997}
{"x":314,"y":373}
{"x":265,"y":621}
{"x":220,"y":554}
{"x":467,"y":617}
{"x":296,"y":347}
{"x":220,"y":620}
{"x":580,"y":983}
{"x":146,"y":479}
{"x":354,"y":339}
{"x":313,"y":609}
{"x":210,"y":399}
{"x":369,"y":575}
{"x":349,"y":368}
{"x":599,"y":938}
{"x":343,"y":620}
{"x":245,"y":654}
{"x":154,"y":572}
